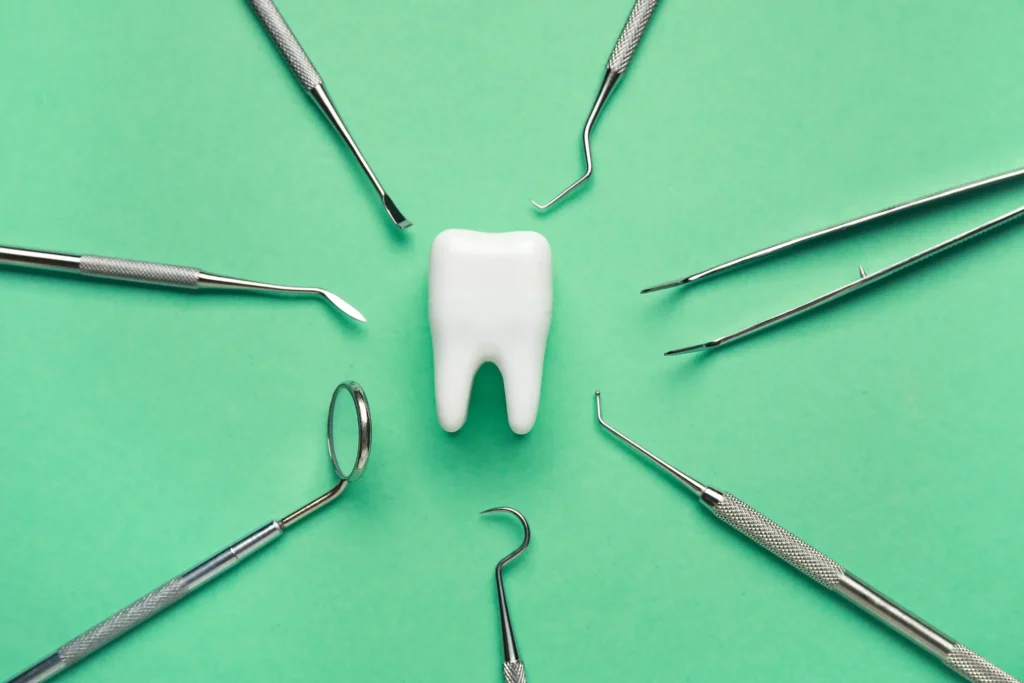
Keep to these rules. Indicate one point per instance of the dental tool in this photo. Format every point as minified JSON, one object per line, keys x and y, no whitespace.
{"x":513,"y":667}
{"x":158,"y":274}
{"x":617,"y":63}
{"x":864,"y":280}
{"x":185,"y":584}
{"x":308,"y":77}
{"x":490,"y":299}
{"x":825,"y":571}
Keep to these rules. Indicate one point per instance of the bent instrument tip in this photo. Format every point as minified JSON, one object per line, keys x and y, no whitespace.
{"x":396,"y":216}
{"x":342,"y":305}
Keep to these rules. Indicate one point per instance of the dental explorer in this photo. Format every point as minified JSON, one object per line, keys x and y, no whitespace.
{"x":513,"y":667}
{"x":617,"y":63}
{"x":308,"y":77}
{"x":865,"y":280}
{"x":825,"y":571}
{"x":185,"y":584}
{"x":158,"y":274}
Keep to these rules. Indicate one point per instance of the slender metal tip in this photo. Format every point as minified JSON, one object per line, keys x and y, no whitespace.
{"x":563,"y":193}
{"x":681,"y":476}
{"x":667,"y":285}
{"x":343,"y":306}
{"x":396,"y":215}
{"x":690,"y":349}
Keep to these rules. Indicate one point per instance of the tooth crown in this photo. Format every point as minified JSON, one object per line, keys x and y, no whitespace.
{"x":490,"y":301}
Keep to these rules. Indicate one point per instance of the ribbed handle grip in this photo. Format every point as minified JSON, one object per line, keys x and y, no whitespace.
{"x":139,"y":271}
{"x":976,"y":668}
{"x":116,"y":626}
{"x":631,"y":33}
{"x":514,"y":672}
{"x":778,"y":541}
{"x":287,"y":43}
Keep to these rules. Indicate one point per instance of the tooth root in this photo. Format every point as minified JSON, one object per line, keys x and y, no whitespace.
{"x":454,"y":370}
{"x":521,"y":372}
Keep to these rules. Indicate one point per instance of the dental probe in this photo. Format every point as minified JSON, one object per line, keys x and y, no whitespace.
{"x":308,"y":77}
{"x":826,"y":572}
{"x":513,"y":667}
{"x":617,"y":63}
{"x":157,"y":274}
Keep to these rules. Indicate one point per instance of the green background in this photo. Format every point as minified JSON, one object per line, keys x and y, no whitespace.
{"x":144,"y":429}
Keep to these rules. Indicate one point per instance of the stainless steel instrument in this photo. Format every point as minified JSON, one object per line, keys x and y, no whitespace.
{"x":864,"y":280}
{"x":825,"y":571}
{"x":183,"y":585}
{"x":158,"y":274}
{"x":513,"y":667}
{"x":617,"y":63}
{"x":308,"y":77}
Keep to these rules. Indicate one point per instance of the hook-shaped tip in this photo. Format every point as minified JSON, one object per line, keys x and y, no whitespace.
{"x":507,"y":637}
{"x":610,"y":78}
{"x":686,"y":479}
{"x":526,"y":533}
{"x":543,"y":207}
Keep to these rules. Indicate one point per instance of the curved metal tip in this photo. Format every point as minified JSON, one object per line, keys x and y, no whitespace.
{"x":396,"y":215}
{"x":526,"y":533}
{"x":597,"y":402}
{"x":566,"y":191}
{"x":681,"y":476}
{"x":342,"y":305}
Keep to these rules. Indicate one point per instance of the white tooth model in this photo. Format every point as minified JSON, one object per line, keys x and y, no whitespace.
{"x":490,"y":301}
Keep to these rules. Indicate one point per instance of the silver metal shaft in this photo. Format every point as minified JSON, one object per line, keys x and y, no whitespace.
{"x":825,"y":571}
{"x":621,"y":55}
{"x":148,"y":606}
{"x":159,"y":274}
{"x":862,"y":282}
{"x":513,"y":667}
{"x":860,"y":221}
{"x":309,"y":78}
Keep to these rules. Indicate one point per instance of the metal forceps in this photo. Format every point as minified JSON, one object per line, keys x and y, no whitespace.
{"x":825,"y":571}
{"x":185,"y":584}
{"x":865,"y":280}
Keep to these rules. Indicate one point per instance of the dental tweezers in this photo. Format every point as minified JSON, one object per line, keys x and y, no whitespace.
{"x":865,"y":279}
{"x":309,"y":78}
{"x":825,"y":571}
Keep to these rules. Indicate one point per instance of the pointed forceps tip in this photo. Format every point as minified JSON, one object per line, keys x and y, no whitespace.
{"x":863,"y":279}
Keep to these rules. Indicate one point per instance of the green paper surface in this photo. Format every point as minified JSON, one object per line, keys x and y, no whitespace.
{"x":143,"y":429}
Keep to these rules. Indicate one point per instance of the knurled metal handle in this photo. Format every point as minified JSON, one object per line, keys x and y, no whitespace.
{"x":287,"y":43}
{"x":974,"y":667}
{"x":514,"y":672}
{"x":128,"y":618}
{"x":139,"y":271}
{"x":778,"y":541}
{"x":831,"y":574}
{"x":630,"y":36}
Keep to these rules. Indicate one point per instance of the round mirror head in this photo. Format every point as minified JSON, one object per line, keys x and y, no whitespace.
{"x":344,"y":434}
